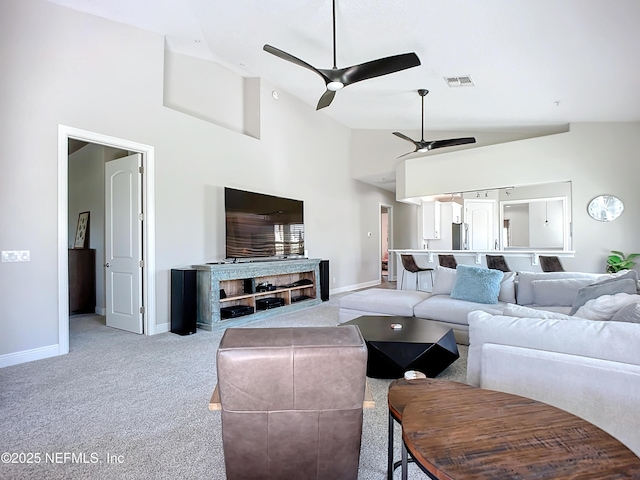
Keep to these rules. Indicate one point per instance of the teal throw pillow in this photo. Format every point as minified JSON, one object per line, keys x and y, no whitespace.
{"x":477,"y":284}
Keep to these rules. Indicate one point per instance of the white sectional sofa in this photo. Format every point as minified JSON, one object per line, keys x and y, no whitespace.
{"x":586,"y":367}
{"x":553,"y":291}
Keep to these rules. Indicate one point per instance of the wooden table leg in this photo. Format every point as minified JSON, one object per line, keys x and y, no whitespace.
{"x":390,"y":450}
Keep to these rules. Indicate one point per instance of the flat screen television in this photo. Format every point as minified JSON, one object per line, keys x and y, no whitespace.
{"x":262,"y":226}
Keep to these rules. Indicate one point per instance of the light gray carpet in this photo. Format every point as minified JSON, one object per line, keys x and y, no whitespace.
{"x":142,"y":401}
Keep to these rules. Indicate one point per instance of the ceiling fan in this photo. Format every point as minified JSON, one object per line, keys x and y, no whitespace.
{"x":338,"y":78}
{"x":425,"y":145}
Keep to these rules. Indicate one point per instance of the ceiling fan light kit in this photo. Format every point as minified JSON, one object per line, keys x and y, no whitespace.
{"x":423,"y":145}
{"x":337,"y":78}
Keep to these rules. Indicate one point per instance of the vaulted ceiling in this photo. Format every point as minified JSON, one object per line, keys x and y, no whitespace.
{"x":533,"y":63}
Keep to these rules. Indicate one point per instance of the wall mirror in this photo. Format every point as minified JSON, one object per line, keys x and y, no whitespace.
{"x":536,"y":217}
{"x":605,"y":208}
{"x":531,"y":217}
{"x":534,"y":223}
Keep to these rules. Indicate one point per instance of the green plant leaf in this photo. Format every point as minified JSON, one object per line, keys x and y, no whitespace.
{"x":633,"y":255}
{"x":614,"y":259}
{"x":620,"y":254}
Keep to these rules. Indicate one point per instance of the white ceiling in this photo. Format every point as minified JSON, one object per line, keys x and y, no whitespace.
{"x":534,"y":62}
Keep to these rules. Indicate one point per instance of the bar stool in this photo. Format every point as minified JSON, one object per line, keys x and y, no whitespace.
{"x":409,"y":264}
{"x":448,"y":261}
{"x":402,"y":392}
{"x":550,"y":264}
{"x":497,"y":262}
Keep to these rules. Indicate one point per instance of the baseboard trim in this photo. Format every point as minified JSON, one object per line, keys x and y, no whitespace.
{"x":162,"y":328}
{"x":29,"y":355}
{"x":358,"y":286}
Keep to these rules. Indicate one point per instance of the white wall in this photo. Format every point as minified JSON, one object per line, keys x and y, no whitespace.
{"x":375,"y":152}
{"x":546,"y":223}
{"x":518,"y":215}
{"x":66,"y":67}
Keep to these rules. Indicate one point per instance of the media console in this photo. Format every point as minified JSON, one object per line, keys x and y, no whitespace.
{"x":293,"y":281}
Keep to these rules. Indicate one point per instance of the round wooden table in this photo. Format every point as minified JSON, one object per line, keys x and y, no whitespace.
{"x":401,"y":393}
{"x":472,"y":433}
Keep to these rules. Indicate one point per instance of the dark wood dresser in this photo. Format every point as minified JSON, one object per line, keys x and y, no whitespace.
{"x":82,"y":280}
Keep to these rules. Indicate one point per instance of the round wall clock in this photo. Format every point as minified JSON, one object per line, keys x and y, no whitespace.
{"x":605,"y":208}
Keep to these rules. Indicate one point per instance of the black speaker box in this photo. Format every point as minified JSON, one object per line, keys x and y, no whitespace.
{"x":249,"y":285}
{"x":324,"y":280}
{"x":184,"y":302}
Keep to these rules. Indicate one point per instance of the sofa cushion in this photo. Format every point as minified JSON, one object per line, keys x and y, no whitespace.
{"x":558,"y":291}
{"x":382,"y":300}
{"x":477,"y":284}
{"x":524,"y":290}
{"x":630,"y":313}
{"x":445,"y":280}
{"x":508,"y":288}
{"x":607,"y":287}
{"x":446,"y":309}
{"x":513,"y":310}
{"x":622,"y":274}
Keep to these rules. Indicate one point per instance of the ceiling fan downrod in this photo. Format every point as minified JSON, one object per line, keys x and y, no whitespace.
{"x":334,"y":85}
{"x":423,"y":93}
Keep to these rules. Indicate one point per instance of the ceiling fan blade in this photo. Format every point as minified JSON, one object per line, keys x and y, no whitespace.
{"x":452,"y":142}
{"x":404,"y":137}
{"x":409,"y":153}
{"x":326,"y":99}
{"x":290,"y":58}
{"x":377,"y":68}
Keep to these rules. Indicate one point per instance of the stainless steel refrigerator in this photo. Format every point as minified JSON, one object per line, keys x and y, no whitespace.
{"x":460,"y":238}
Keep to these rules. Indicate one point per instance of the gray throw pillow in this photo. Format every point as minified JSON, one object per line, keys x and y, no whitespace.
{"x":629,"y":313}
{"x":621,"y":275}
{"x":557,"y":292}
{"x":607,"y":287}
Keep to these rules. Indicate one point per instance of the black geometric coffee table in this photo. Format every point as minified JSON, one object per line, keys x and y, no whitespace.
{"x":420,"y":345}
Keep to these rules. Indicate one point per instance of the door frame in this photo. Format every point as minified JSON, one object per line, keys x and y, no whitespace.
{"x":148,"y":226}
{"x":391,"y":270}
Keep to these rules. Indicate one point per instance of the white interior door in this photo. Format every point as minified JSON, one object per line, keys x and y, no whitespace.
{"x":479,"y":216}
{"x":123,"y":243}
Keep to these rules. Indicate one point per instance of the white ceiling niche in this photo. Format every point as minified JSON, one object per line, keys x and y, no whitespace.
{"x":211,"y":92}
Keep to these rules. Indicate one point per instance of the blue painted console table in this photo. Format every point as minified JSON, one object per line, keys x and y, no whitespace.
{"x":230,"y":277}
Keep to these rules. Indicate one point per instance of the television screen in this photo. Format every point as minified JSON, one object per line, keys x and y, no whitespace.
{"x":259,"y":225}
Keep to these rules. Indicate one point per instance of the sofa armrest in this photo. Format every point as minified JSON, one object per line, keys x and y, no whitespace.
{"x":613,"y":341}
{"x":601,"y":391}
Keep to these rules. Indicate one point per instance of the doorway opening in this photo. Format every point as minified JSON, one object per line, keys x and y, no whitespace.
{"x":387,"y":260}
{"x":69,"y":135}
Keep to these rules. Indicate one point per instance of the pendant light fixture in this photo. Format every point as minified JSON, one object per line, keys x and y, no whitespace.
{"x":546,"y":214}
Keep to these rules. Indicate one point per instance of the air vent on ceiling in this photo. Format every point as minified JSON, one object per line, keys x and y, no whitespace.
{"x":463,"y":81}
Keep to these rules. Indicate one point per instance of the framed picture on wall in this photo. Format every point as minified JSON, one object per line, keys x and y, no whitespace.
{"x":82,"y":231}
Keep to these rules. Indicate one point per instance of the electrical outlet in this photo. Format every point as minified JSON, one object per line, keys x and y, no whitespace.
{"x":25,"y":256}
{"x":5,"y":256}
